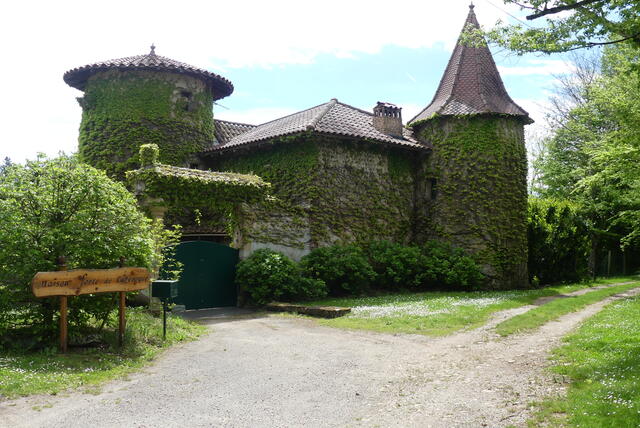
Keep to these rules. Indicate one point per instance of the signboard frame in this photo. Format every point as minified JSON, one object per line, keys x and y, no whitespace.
{"x":65,"y":283}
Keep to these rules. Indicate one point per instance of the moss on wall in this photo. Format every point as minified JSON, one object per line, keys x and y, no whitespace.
{"x":367,"y":193}
{"x":326,"y":190}
{"x":290,"y":164}
{"x":479,"y":164}
{"x":124,"y":109}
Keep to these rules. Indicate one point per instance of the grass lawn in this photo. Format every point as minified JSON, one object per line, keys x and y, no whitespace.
{"x":49,"y":372}
{"x":437,"y":313}
{"x":602,"y":360}
{"x":550,"y":311}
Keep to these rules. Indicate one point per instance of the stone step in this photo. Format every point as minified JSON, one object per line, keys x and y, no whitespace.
{"x":314,"y":311}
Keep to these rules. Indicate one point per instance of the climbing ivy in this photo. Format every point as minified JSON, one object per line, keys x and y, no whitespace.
{"x":290,"y":165}
{"x":123,"y":110}
{"x":192,"y":187}
{"x":479,"y":164}
{"x":188,"y":193}
{"x":326,"y":190}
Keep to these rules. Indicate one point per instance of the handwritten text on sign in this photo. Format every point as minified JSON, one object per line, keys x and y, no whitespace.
{"x":89,"y":281}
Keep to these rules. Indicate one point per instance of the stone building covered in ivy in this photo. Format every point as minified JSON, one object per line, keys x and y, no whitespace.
{"x":456,"y":172}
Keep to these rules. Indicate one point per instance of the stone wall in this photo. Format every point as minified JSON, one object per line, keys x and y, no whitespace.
{"x":124,"y":109}
{"x":367,"y":193}
{"x":325,"y":190}
{"x":478,"y":167}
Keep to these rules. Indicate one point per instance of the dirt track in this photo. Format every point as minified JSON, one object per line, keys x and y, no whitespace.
{"x":288,"y":372}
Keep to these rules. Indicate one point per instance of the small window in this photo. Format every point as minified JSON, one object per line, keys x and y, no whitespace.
{"x":186,"y":99}
{"x":433,"y":191}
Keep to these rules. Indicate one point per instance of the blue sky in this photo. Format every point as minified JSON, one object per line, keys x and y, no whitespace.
{"x":281,"y":55}
{"x":404,"y":76}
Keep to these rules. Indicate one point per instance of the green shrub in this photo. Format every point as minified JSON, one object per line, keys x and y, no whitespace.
{"x":449,"y":267}
{"x":268,"y":275}
{"x":396,"y":266}
{"x":343,"y":268}
{"x":61,"y":207}
{"x":559,"y":242}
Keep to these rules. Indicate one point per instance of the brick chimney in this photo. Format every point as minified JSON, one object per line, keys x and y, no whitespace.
{"x":387,"y":118}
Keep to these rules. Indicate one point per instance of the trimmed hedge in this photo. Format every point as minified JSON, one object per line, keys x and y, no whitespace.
{"x":268,"y":275}
{"x":346,"y":270}
{"x":343,"y":268}
{"x":450,"y":268}
{"x":396,"y":266}
{"x":559,"y":242}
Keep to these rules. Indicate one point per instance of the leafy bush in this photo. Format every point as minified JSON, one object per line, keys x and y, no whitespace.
{"x":559,"y":242}
{"x":268,"y":275}
{"x":343,"y":268}
{"x":396,"y":266}
{"x":61,"y":207}
{"x":449,"y":267}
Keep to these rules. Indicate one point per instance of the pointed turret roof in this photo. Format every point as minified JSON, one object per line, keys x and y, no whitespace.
{"x":471,"y":83}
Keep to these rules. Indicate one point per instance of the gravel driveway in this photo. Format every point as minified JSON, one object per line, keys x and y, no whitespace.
{"x":270,"y":371}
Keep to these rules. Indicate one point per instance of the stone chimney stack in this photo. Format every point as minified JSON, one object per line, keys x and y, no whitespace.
{"x":387,"y":118}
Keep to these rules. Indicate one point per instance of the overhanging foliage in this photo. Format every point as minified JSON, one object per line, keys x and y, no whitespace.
{"x":192,"y":187}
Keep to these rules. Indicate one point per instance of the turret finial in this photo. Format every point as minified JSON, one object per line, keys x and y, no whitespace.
{"x":153,"y":49}
{"x":471,"y":5}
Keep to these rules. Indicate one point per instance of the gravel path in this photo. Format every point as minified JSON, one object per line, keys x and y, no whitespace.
{"x":288,"y":372}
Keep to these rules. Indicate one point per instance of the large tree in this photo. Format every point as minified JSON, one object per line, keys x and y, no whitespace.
{"x":565,"y":25}
{"x":60,"y":207}
{"x":593,"y":156}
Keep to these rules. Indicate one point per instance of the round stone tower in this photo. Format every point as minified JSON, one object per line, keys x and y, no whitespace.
{"x":144,"y":99}
{"x":476,"y":173}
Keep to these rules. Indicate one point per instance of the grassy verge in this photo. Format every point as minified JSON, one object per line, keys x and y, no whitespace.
{"x":602,"y":359}
{"x":49,"y":372}
{"x":542,"y":314}
{"x":436,"y":313}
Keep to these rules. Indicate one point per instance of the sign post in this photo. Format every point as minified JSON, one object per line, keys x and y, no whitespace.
{"x":75,"y":282}
{"x":62,"y":266}
{"x":121,"y":314}
{"x":121,"y":318}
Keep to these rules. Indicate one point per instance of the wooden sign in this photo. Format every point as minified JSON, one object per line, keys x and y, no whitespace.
{"x":89,"y":281}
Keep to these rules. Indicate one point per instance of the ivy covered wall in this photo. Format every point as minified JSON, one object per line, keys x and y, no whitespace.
{"x":324,"y":190}
{"x":124,"y":109}
{"x":282,"y":221}
{"x":367,"y":193}
{"x":478,"y":166}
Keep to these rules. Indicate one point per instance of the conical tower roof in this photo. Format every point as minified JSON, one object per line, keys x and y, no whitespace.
{"x":471,"y":83}
{"x":78,"y":77}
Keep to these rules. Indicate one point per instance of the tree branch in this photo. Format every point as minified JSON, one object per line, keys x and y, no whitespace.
{"x":593,"y":44}
{"x":559,"y":9}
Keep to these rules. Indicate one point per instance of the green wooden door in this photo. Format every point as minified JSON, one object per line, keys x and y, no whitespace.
{"x":208,"y":275}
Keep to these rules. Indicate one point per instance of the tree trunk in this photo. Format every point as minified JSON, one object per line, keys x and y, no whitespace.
{"x":593,"y":256}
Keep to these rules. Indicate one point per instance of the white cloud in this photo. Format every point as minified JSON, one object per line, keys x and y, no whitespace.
{"x":409,"y":111}
{"x":255,"y":116}
{"x":42,"y":39}
{"x":537,"y":109}
{"x":538,"y":66}
{"x":537,"y":131}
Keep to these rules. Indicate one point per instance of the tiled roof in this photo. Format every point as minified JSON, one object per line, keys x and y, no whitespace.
{"x":332,"y":118}
{"x":471,"y":83}
{"x":225,"y":130}
{"x":77,"y":77}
